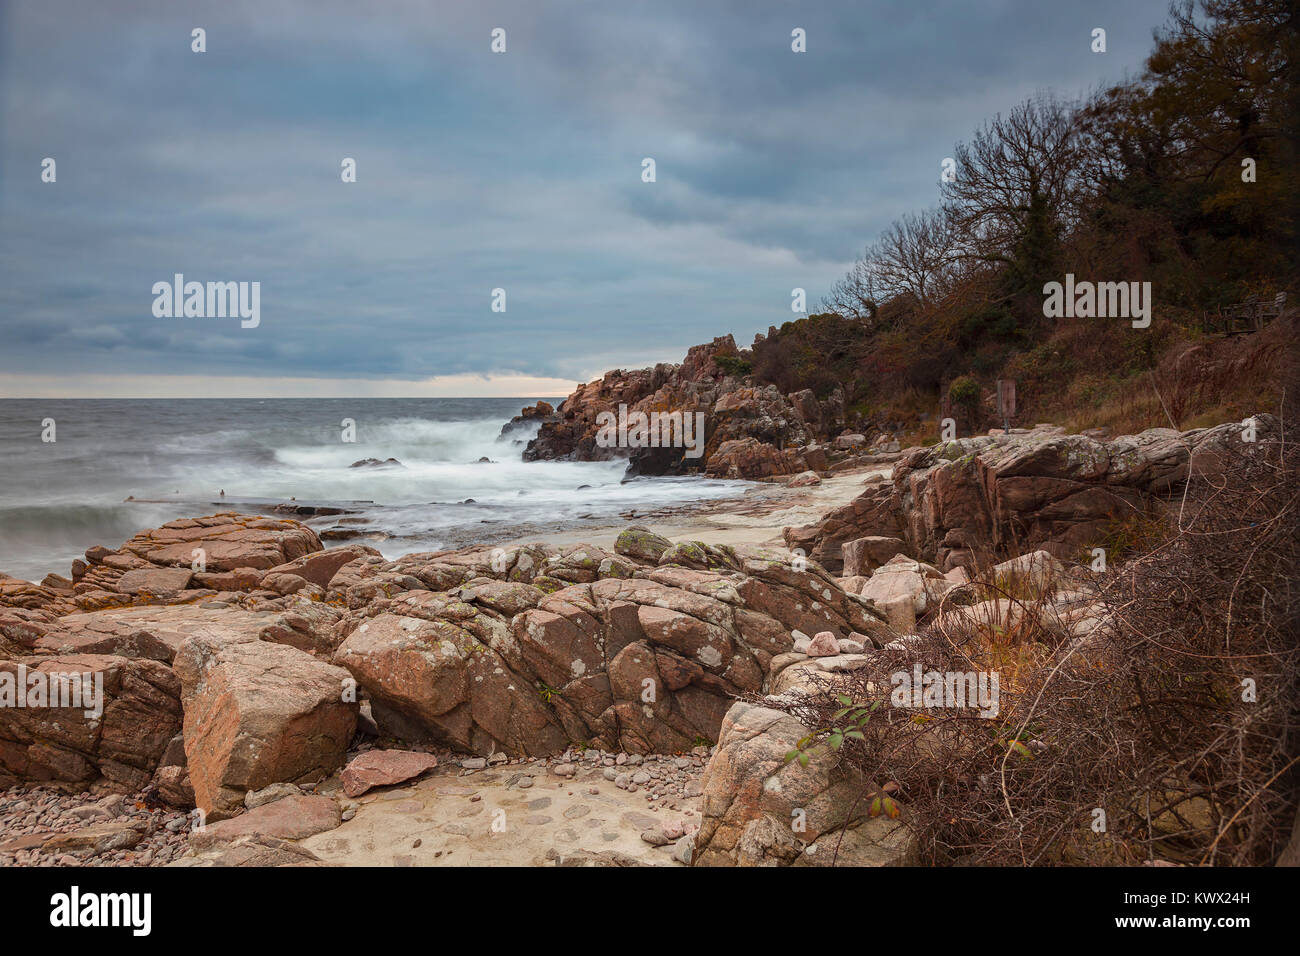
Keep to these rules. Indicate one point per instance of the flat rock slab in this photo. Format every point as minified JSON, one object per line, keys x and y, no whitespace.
{"x":486,"y":819}
{"x":258,"y":851}
{"x":156,"y":581}
{"x":292,"y":818}
{"x":28,"y":841}
{"x":99,"y":838}
{"x":155,"y":632}
{"x":383,"y":768}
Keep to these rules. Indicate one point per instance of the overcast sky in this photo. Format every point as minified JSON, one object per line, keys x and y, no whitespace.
{"x":475,"y":171}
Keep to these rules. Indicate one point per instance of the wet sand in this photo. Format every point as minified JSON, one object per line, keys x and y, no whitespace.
{"x":756,"y":518}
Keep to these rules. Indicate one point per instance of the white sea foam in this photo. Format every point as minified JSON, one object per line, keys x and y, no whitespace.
{"x":58,"y":499}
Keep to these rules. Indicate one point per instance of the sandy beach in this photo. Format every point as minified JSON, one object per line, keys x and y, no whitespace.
{"x":756,"y":518}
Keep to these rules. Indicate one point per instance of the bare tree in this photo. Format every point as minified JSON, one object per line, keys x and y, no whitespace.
{"x":913,"y":257}
{"x":1015,"y":191}
{"x":857,"y":295}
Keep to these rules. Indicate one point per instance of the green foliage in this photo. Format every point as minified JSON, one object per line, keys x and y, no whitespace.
{"x":733,"y":364}
{"x":847,"y":723}
{"x":964,"y":391}
{"x":823,"y":352}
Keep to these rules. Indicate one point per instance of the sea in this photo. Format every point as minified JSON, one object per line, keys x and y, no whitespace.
{"x":117,"y":466}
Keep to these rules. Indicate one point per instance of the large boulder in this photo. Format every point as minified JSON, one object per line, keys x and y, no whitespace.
{"x":762,"y":810}
{"x":441,"y":668}
{"x":749,"y":459}
{"x":319,"y":567}
{"x":258,"y":713}
{"x":903,"y":590}
{"x":642,"y":544}
{"x":864,"y":555}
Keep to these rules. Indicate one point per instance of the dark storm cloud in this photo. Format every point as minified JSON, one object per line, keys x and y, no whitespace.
{"x":479,"y":171}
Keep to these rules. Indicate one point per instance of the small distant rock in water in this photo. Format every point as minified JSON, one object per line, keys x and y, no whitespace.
{"x":583,"y":487}
{"x":485,"y":460}
{"x":292,"y":507}
{"x":469,"y":501}
{"x":338,"y":533}
{"x":376,"y":463}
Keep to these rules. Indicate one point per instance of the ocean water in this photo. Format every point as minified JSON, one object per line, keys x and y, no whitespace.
{"x":174,"y":458}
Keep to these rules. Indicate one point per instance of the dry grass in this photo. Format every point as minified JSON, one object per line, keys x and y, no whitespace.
{"x":1136,"y":742}
{"x":1196,"y":385}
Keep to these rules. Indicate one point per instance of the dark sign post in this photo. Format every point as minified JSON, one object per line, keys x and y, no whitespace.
{"x":1006,"y":402}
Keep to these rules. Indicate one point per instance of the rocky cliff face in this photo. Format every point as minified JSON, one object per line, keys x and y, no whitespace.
{"x":750,"y":431}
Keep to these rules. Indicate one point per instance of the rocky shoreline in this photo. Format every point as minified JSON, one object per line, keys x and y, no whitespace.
{"x":267,"y":701}
{"x":751,"y":432}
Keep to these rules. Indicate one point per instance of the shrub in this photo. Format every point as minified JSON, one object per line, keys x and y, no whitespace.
{"x":1168,"y":733}
{"x":733,"y":365}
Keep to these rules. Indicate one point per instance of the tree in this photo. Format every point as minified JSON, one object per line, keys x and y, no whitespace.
{"x":913,"y":257}
{"x":1168,"y":154}
{"x":1015,"y":191}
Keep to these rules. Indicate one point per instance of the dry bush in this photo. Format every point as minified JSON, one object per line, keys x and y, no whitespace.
{"x":1195,"y":384}
{"x":1145,"y":719}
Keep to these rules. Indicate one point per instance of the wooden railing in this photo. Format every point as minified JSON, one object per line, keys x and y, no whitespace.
{"x":1250,"y":315}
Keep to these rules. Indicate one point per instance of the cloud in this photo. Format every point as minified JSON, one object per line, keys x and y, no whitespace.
{"x":476,"y":171}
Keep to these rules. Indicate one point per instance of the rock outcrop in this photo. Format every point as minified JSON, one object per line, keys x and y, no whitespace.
{"x":629,"y":651}
{"x":961,"y":502}
{"x":641,"y":649}
{"x":121,"y":737}
{"x":750,"y":431}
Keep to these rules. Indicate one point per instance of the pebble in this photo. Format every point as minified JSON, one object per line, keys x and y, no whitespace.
{"x":661,"y":779}
{"x":27,"y":810}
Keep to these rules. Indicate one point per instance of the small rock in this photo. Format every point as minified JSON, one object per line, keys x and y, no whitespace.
{"x":655,"y":837}
{"x":823,"y":645}
{"x":276,"y":791}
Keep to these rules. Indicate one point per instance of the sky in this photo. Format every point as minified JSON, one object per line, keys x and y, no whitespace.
{"x":475,"y":171}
